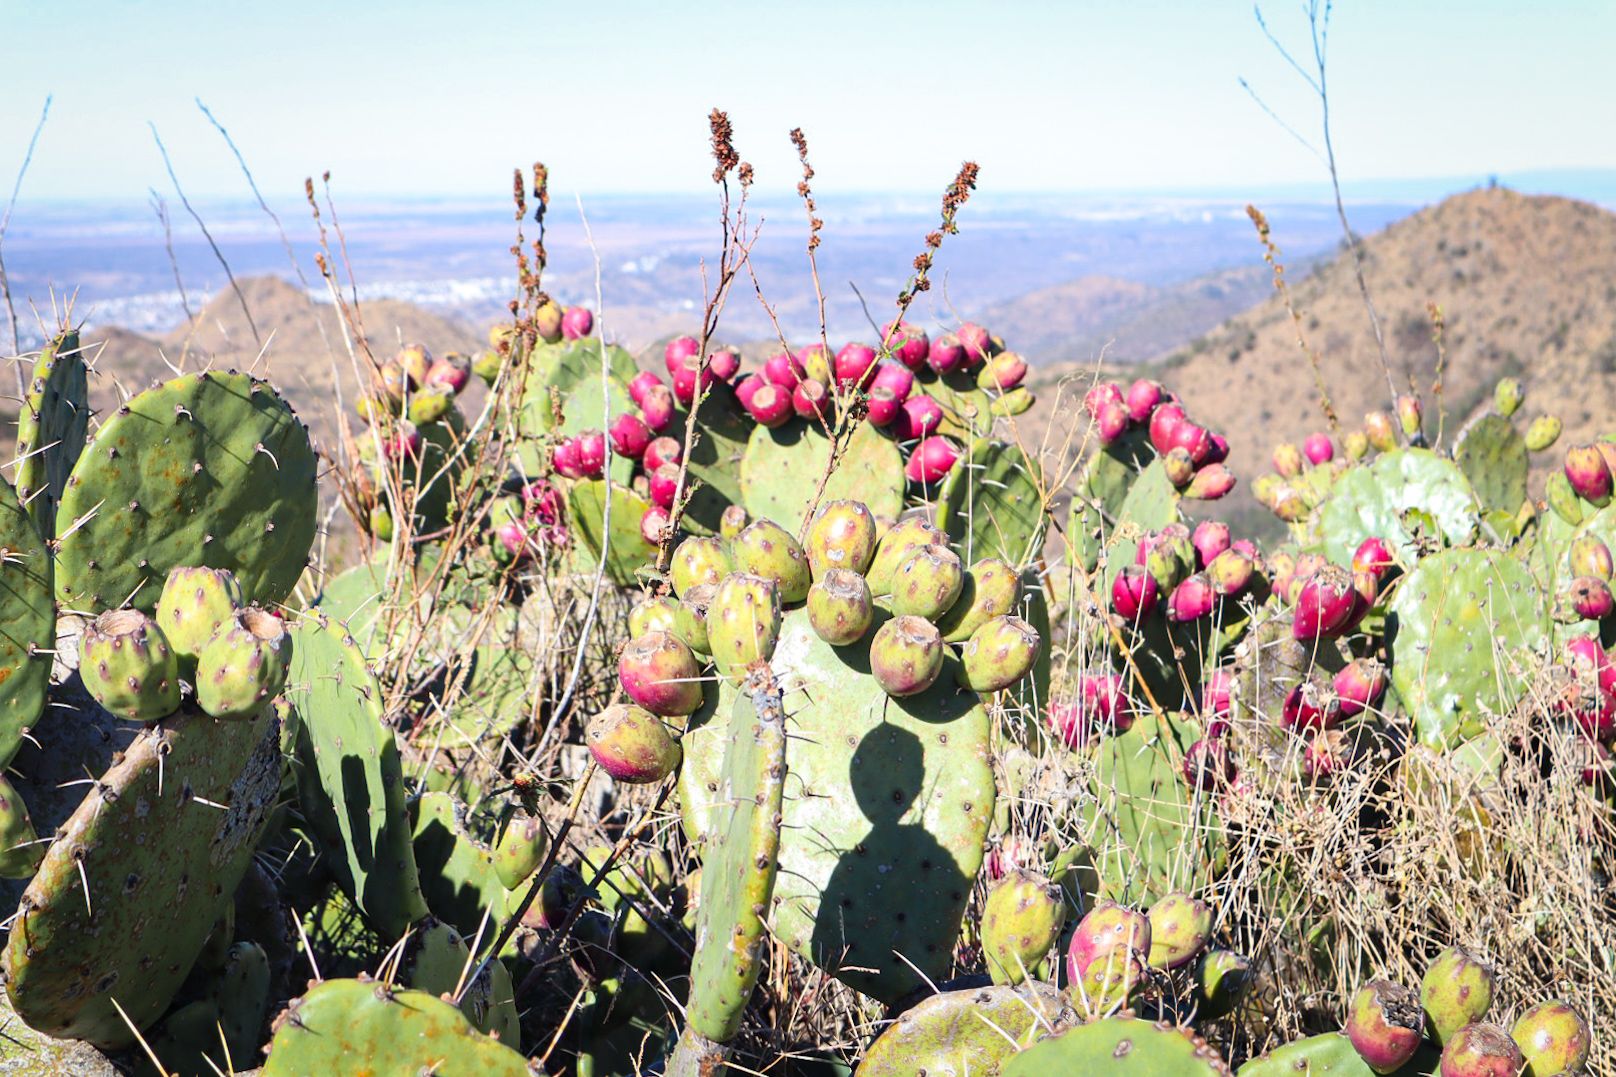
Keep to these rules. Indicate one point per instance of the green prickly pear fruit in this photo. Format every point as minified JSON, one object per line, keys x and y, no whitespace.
{"x":381,"y":523}
{"x":928,"y":582}
{"x":547,"y":321}
{"x":1021,"y":920}
{"x":20,"y":847}
{"x":520,"y":849}
{"x":766,"y":549}
{"x":990,"y":590}
{"x":839,"y":607}
{"x":1591,"y":557}
{"x":631,"y":744}
{"x":842,"y":534}
{"x":1562,"y":498}
{"x":657,"y":613}
{"x":1456,"y":991}
{"x":487,"y":366}
{"x":1544,"y":432}
{"x":1179,"y":928}
{"x":1507,"y":396}
{"x":743,"y":622}
{"x":1015,"y":402}
{"x":1168,"y":554}
{"x":244,"y":665}
{"x":1481,"y":1050}
{"x":1410,"y":415}
{"x":1385,"y":1024}
{"x":129,"y":667}
{"x":1356,"y":445}
{"x":906,"y":655}
{"x":1288,"y":460}
{"x":1220,"y":979}
{"x":195,"y":604}
{"x":695,"y":603}
{"x":733,"y":522}
{"x":902,"y":539}
{"x":430,"y":404}
{"x":1264,"y":486}
{"x":659,"y":672}
{"x":1554,"y":1038}
{"x":698,"y":560}
{"x":999,"y":654}
{"x":1379,"y":430}
{"x":1180,"y":469}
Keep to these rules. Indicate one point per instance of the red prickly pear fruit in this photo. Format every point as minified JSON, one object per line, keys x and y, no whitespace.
{"x":542,"y":501}
{"x":657,"y":408}
{"x":933,"y":458}
{"x":564,"y":458}
{"x":194,"y":604}
{"x":1456,"y":991}
{"x":1410,"y":415}
{"x":925,"y":415}
{"x":1103,"y":700}
{"x":1109,"y":929}
{"x":1112,"y":422}
{"x":1379,"y":430}
{"x":1210,"y":483}
{"x":809,"y":399}
{"x":243,"y":666}
{"x":653,"y":525}
{"x":1208,"y":765}
{"x":514,"y":539}
{"x":784,"y":370}
{"x":1385,"y":1024}
{"x":416,"y":361}
{"x":746,"y":387}
{"x":678,"y":350}
{"x":899,"y":541}
{"x":1359,"y":685}
{"x":946,"y":354}
{"x":840,"y":608}
{"x":766,"y":549}
{"x":976,"y":341}
{"x":1210,"y":538}
{"x":1192,"y":599}
{"x":662,"y":451}
{"x":1590,"y":597}
{"x":907,"y":344}
{"x":1180,"y":926}
{"x":1164,"y":422}
{"x":1374,"y":556}
{"x":452,"y":372}
{"x":1554,"y":1039}
{"x":1101,"y":394}
{"x":1325,"y":603}
{"x":927,"y":583}
{"x":1303,"y":710}
{"x":1021,"y":921}
{"x":1072,"y":724}
{"x":632,"y":745}
{"x":663,"y":486}
{"x":725,"y":363}
{"x":1355,"y":445}
{"x":1318,"y":449}
{"x":854,"y":364}
{"x":770,"y":405}
{"x":743,"y":623}
{"x":991,"y":589}
{"x":906,"y":655}
{"x":999,"y":654}
{"x":661,"y":674}
{"x":1217,"y":702}
{"x":895,"y":377}
{"x":1590,"y":557}
{"x":403,"y":443}
{"x":1589,"y":475}
{"x":1288,"y":460}
{"x":733,"y":521}
{"x":1219,"y":451}
{"x":1002,"y":372}
{"x":883,"y":407}
{"x":1194,"y":439}
{"x":642,"y":381}
{"x":1328,"y":752}
{"x":129,"y":667}
{"x":1134,"y":593}
{"x":1231,"y":572}
{"x":577,"y":323}
{"x":685,"y":381}
{"x":591,"y":454}
{"x":842,"y":534}
{"x":630,"y":436}
{"x":1247,"y":547}
{"x":1143,"y":396}
{"x":1480,"y":1050}
{"x":1596,"y":762}
{"x":1178,"y":467}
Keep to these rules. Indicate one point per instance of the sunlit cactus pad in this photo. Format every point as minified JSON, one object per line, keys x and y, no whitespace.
{"x":782,"y":469}
{"x":51,"y":427}
{"x":991,"y":506}
{"x":29,"y":618}
{"x":1124,"y":1046}
{"x":966,"y":1033}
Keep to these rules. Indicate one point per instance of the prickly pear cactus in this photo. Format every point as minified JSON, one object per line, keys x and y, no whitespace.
{"x":968,"y":1033}
{"x":1461,"y":628}
{"x":350,"y":780}
{"x":1122,"y":1046}
{"x":990,"y":504}
{"x":456,"y":871}
{"x":1330,"y":1055}
{"x":1493,"y":457}
{"x":51,"y":427}
{"x":783,"y":466}
{"x":438,"y":961}
{"x":208,"y":469}
{"x":1150,"y":504}
{"x":362,"y":1026}
{"x":125,"y":898}
{"x":1376,"y":502}
{"x":626,"y":549}
{"x":723,"y":433}
{"x":29,"y":616}
{"x":224,"y":1026}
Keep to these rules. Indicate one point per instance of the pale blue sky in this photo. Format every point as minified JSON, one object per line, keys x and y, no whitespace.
{"x":443,"y":98}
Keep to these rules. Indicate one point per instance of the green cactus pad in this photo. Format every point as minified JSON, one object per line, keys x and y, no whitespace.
{"x":350,"y":780}
{"x":208,"y":469}
{"x":1121,"y":1046}
{"x":1492,"y":455}
{"x":51,"y":427}
{"x":29,"y":615}
{"x":359,"y":1026}
{"x":1462,"y":628}
{"x":162,"y":841}
{"x":628,"y":549}
{"x":723,"y":432}
{"x":237,"y":1005}
{"x":1371,"y":502}
{"x":20,"y":850}
{"x":990,"y":506}
{"x":967,"y":410}
{"x":738,"y":865}
{"x":782,"y":467}
{"x":1330,"y":1055}
{"x":567,"y":378}
{"x":456,"y":871}
{"x":438,"y":959}
{"x":1150,"y":505}
{"x":968,"y":1033}
{"x":1114,"y":468}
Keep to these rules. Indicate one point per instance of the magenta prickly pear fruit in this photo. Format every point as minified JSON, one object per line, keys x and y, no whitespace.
{"x":906,"y":655}
{"x":725,"y":363}
{"x":1178,"y":466}
{"x":1543,"y":432}
{"x":697,"y":560}
{"x":1208,"y":765}
{"x":766,"y":549}
{"x":1481,"y":1050}
{"x":1143,"y":396}
{"x":1355,"y":445}
{"x":416,"y":361}
{"x":128,"y":666}
{"x":630,"y":436}
{"x":654,"y":525}
{"x":1589,"y":475}
{"x":998,"y":654}
{"x":1134,"y":593}
{"x":1305,"y":709}
{"x":896,"y":377}
{"x":1164,"y":424}
{"x":547,"y":321}
{"x":928,"y":582}
{"x":990,"y":590}
{"x":657,"y":408}
{"x":947,"y":354}
{"x":743,"y":623}
{"x":932,"y":459}
{"x":1021,"y":923}
{"x":783,"y":370}
{"x":659,"y":672}
{"x":1359,"y":685}
{"x":976,"y":341}
{"x":591,"y":454}
{"x":1002,"y":372}
{"x":925,"y":415}
{"x":907,"y":343}
{"x":1108,"y":933}
{"x":1590,"y":557}
{"x":1210,"y":483}
{"x":643,"y":381}
{"x":1111,"y":423}
{"x":1554,"y":1039}
{"x":900,"y":540}
{"x":678,"y":350}
{"x":810,"y":400}
{"x":1410,"y":415}
{"x":1230,"y":573}
{"x":632,"y":744}
{"x":1180,"y":926}
{"x":1101,"y":394}
{"x":194,"y":605}
{"x":1217,"y":702}
{"x":1195,"y":440}
{"x":403,"y":442}
{"x":685,"y":383}
{"x":1192,"y":599}
{"x":577,"y":323}
{"x":747,"y":386}
{"x":662,"y":451}
{"x":1374,"y":556}
{"x":521,"y":849}
{"x":1456,"y":991}
{"x":564,"y":457}
{"x":663,"y":486}
{"x":842,"y":534}
{"x":1318,"y":449}
{"x":1590,"y":597}
{"x":884,"y":408}
{"x":244,"y":666}
{"x":1210,"y":538}
{"x":770,"y":405}
{"x":854,"y":364}
{"x":1288,"y":460}
{"x":452,"y":372}
{"x":1104,"y":701}
{"x":1325,"y":604}
{"x":839,"y":607}
{"x":1385,"y":1024}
